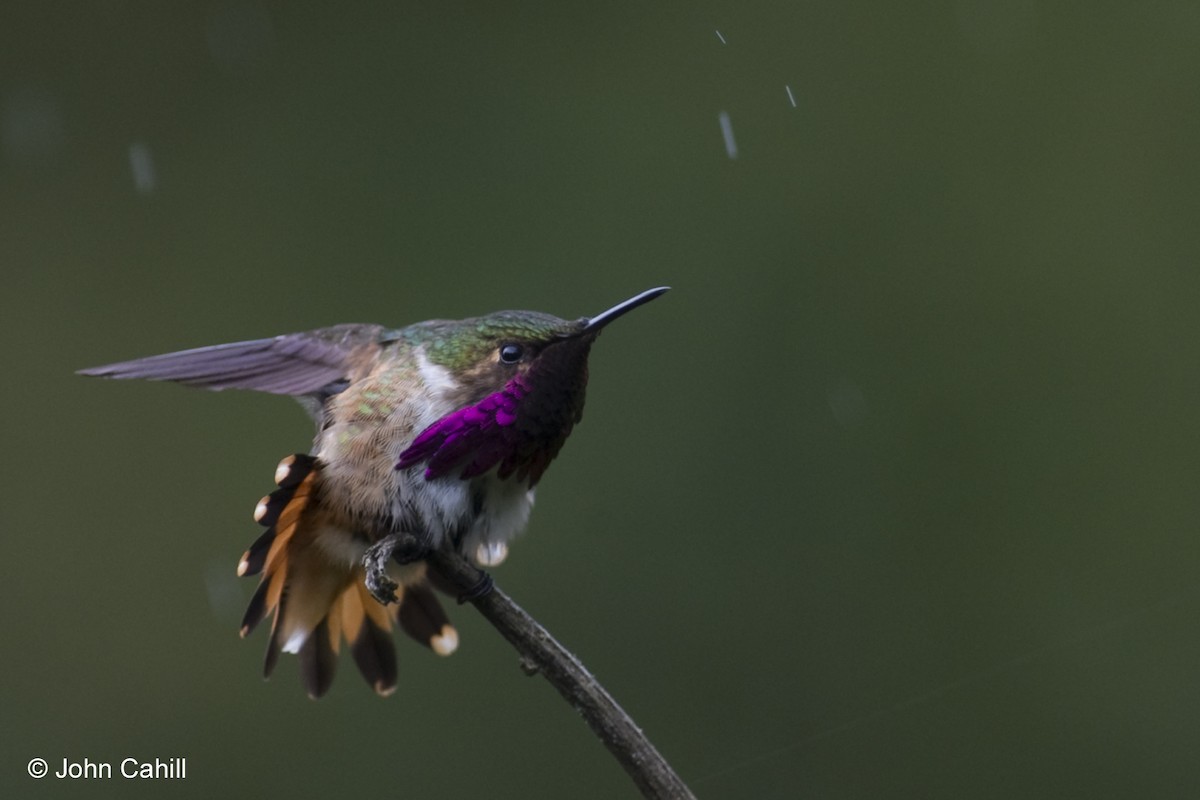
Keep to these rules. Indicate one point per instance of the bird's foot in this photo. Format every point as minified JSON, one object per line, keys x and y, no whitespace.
{"x":481,"y":588}
{"x":405,"y":548}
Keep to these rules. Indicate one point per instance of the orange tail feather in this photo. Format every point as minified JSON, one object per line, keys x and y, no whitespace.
{"x":317,"y":602}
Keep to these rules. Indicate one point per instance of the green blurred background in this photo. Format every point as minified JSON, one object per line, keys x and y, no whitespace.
{"x":892,"y":496}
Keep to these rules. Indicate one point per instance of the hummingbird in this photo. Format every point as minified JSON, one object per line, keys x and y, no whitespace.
{"x":432,"y":436}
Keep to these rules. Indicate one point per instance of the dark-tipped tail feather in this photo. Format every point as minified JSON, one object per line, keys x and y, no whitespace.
{"x":318,"y":603}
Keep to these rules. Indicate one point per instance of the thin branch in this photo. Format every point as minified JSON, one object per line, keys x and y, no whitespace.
{"x":542,"y":653}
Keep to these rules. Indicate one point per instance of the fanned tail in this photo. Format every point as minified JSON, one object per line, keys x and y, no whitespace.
{"x":317,"y":602}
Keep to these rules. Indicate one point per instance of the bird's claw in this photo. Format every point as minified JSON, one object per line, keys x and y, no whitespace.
{"x":381,"y":587}
{"x":405,"y":548}
{"x":482,"y":588}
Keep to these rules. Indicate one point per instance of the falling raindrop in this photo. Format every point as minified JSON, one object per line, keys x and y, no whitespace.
{"x":727,"y":133}
{"x":141,"y":164}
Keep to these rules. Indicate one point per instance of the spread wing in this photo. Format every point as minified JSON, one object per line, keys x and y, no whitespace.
{"x":293,"y":364}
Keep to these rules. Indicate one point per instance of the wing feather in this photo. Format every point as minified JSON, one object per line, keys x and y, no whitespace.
{"x":292,"y":364}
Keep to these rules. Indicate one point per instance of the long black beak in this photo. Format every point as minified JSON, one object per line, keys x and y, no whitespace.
{"x":597,"y":322}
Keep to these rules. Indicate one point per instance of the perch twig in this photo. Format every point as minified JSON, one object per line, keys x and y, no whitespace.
{"x":542,"y":653}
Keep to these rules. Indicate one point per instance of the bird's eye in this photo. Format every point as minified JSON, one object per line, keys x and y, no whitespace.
{"x":511,"y":353}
